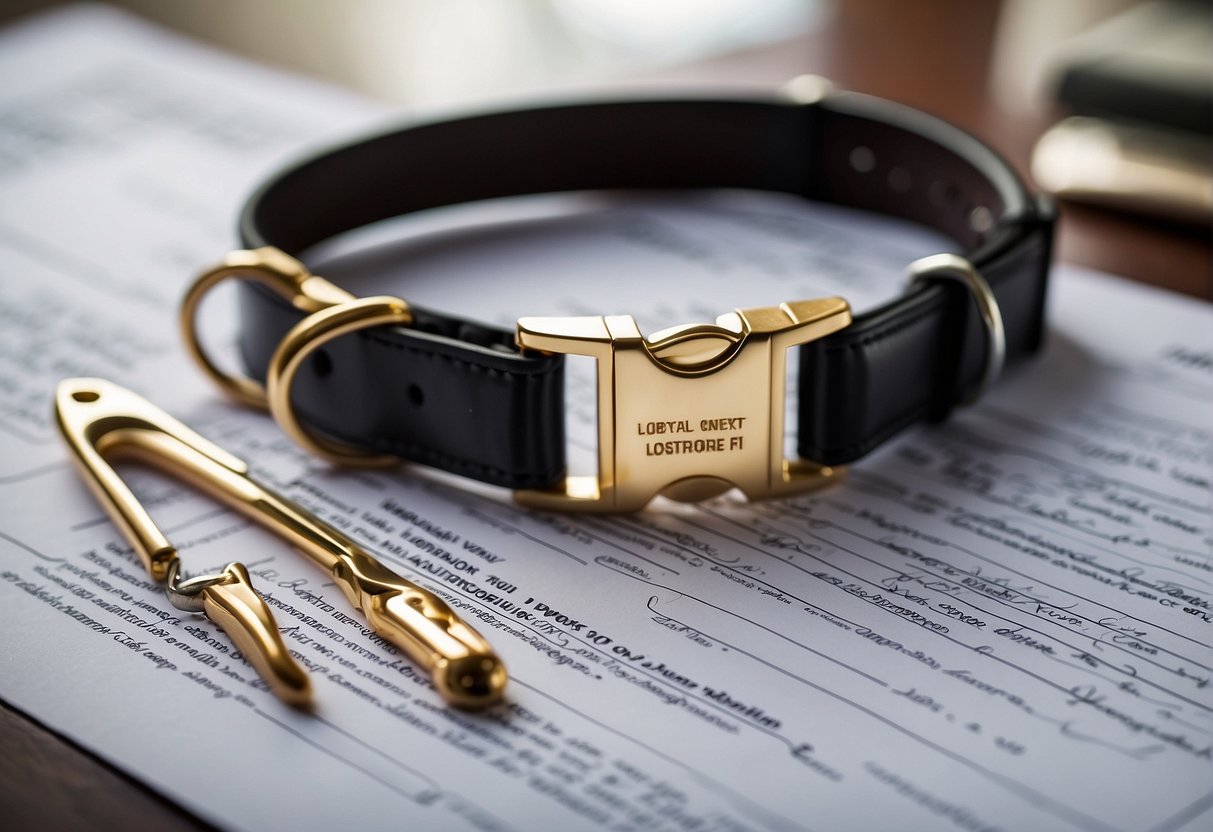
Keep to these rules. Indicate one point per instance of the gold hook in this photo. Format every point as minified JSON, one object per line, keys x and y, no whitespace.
{"x":101,"y":420}
{"x":331,"y":312}
{"x":274,"y":269}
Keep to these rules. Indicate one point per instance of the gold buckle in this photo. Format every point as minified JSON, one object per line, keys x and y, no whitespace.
{"x":691,"y":411}
{"x":688,"y":413}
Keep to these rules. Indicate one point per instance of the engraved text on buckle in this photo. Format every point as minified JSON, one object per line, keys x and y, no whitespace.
{"x":690,"y":411}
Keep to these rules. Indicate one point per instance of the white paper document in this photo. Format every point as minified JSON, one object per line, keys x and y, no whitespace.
{"x":1001,"y":622}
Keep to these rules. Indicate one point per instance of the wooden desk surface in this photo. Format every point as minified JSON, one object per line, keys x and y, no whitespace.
{"x":931,"y":55}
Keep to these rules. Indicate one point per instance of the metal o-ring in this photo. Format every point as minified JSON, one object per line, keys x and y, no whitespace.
{"x":955,"y":268}
{"x":186,"y":594}
{"x":305,"y":337}
{"x":278,"y":271}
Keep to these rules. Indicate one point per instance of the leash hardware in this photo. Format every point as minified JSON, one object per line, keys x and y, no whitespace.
{"x":102,"y":422}
{"x":331,"y":313}
{"x":99,"y":419}
{"x":943,"y":268}
{"x":688,"y":412}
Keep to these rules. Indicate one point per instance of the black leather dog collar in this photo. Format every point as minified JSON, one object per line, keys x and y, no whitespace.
{"x":461,"y":396}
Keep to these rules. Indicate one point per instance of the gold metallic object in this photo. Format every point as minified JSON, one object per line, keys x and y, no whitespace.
{"x":690,"y":411}
{"x":102,"y":420}
{"x":230,"y":601}
{"x":285,"y":275}
{"x":1128,"y":165}
{"x":310,"y":334}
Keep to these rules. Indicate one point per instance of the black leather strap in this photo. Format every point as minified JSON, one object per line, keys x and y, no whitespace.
{"x":459,"y":396}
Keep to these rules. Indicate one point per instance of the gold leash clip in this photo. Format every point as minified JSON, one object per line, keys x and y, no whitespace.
{"x":331,"y":313}
{"x":102,"y":421}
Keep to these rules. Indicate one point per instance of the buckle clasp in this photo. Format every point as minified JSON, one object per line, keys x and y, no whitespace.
{"x":690,"y":411}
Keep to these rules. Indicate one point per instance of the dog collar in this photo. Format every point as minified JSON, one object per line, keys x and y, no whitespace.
{"x":687,"y":412}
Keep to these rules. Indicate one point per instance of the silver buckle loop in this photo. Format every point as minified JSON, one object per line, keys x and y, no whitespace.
{"x":958,"y":269}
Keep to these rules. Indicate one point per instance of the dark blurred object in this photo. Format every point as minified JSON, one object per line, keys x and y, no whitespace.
{"x":1152,"y":63}
{"x":1142,"y":83}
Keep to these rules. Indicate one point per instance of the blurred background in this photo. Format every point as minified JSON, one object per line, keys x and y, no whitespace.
{"x":420,"y":52}
{"x":1106,"y":103}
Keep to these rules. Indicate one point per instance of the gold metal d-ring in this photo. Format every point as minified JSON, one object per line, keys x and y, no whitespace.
{"x":270,"y":267}
{"x":310,"y":334}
